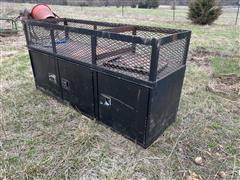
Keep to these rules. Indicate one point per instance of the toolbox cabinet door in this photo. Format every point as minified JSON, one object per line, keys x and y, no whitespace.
{"x":123,"y":106}
{"x":77,"y":86}
{"x":46,"y":72}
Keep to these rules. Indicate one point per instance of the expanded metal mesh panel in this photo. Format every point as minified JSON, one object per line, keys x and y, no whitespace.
{"x":150,"y":32}
{"x":80,"y":25}
{"x":132,"y":59}
{"x":109,"y":27}
{"x":76,"y":46}
{"x":109,"y":46}
{"x":147,"y":34}
{"x":135,"y":64}
{"x":127,"y":33}
{"x":157,"y":29}
{"x":102,"y":27}
{"x":120,"y":64}
{"x":59,"y":36}
{"x":172,"y":53}
{"x":40,"y":37}
{"x":127,"y":58}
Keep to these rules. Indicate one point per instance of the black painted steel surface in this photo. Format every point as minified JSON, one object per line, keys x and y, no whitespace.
{"x":127,"y":77}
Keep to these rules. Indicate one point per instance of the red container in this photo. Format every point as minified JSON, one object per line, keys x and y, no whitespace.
{"x":41,"y":11}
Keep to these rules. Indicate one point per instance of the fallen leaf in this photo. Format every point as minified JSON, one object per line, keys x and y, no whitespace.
{"x":194,"y":176}
{"x":222,"y":174}
{"x":198,"y":160}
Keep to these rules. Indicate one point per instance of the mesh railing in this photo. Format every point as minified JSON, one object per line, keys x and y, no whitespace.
{"x":125,"y":49}
{"x":75,"y":46}
{"x":80,"y":25}
{"x":130,"y":60}
{"x":173,"y":54}
{"x":40,"y":37}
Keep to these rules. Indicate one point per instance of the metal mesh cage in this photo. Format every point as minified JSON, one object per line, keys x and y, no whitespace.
{"x":173,"y":54}
{"x":76,"y":46}
{"x":125,"y":58}
{"x":80,"y":25}
{"x":109,"y":47}
{"x":121,"y":48}
{"x":147,"y":34}
{"x":40,"y":37}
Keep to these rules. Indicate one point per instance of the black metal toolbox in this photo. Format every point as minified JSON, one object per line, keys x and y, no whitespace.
{"x":127,"y":76}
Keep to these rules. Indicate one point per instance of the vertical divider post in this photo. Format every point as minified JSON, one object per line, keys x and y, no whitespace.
{"x":66,"y":29}
{"x":154,"y":60}
{"x":94,"y":48}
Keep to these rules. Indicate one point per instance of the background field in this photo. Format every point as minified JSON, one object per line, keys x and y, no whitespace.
{"x":40,"y":138}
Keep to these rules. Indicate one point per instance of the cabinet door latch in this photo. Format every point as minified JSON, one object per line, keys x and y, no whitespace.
{"x":52,"y":78}
{"x":65,"y":84}
{"x":105,"y":100}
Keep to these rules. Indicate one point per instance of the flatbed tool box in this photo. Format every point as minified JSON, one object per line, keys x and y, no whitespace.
{"x":127,"y":76}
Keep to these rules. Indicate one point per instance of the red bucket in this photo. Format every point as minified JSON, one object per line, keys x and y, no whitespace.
{"x":41,"y":11}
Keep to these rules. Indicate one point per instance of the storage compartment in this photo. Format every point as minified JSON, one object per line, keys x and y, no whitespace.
{"x":46,"y":73}
{"x":128,"y":77}
{"x":163,"y":108}
{"x":123,"y":106}
{"x":77,"y":86}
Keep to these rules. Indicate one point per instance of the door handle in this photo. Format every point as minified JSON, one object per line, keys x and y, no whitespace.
{"x":65,"y":84}
{"x":52,"y":78}
{"x":105,"y":100}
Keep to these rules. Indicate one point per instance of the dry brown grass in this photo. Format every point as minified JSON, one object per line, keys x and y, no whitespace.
{"x":41,"y":138}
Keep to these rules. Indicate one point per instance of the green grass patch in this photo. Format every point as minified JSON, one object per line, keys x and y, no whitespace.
{"x":216,"y":125}
{"x":12,"y":160}
{"x":212,"y":144}
{"x":231,"y":149}
{"x":225,"y":66}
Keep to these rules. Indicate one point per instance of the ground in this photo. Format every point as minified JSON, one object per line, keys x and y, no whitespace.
{"x":41,"y":138}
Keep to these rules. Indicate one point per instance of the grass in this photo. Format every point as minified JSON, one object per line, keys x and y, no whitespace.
{"x":41,"y":138}
{"x":226,"y":65}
